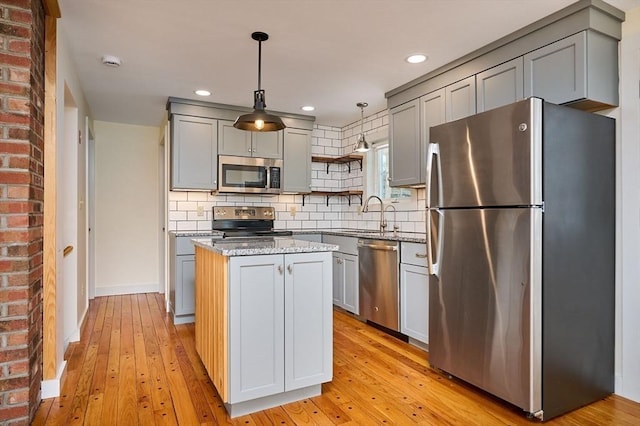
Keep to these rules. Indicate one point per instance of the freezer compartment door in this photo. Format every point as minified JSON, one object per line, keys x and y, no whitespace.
{"x":490,"y":159}
{"x":484,"y":306}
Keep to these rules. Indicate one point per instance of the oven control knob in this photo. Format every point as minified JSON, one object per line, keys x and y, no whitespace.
{"x":268,"y":213}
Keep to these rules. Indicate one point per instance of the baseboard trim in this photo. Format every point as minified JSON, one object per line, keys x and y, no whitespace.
{"x":51,"y":388}
{"x":120,"y":290}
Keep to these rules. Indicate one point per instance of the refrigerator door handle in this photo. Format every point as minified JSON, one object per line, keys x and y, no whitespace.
{"x":433,"y":263}
{"x":434,"y":151}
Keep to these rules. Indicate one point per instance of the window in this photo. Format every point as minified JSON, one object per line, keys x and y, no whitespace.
{"x":377,"y":178}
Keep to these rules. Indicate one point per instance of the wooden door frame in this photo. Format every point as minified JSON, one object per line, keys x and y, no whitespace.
{"x":49,"y":327}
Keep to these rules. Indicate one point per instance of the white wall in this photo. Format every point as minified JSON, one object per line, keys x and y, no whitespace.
{"x":126,"y":204}
{"x":628,"y":209}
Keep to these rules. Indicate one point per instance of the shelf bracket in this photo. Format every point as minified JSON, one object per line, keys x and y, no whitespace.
{"x":328,"y":168}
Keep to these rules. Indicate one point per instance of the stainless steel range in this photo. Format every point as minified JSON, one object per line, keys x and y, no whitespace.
{"x":243,"y":222}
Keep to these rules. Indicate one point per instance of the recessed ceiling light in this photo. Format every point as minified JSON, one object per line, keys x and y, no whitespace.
{"x":308,"y":108}
{"x":202,"y":92}
{"x":416,"y":59}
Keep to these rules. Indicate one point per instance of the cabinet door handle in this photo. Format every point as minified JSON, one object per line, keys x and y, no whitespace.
{"x":280,"y":269}
{"x":421,"y":256}
{"x":339,"y":261}
{"x":290,"y":269}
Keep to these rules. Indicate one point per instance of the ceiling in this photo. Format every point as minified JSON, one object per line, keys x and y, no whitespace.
{"x":327,"y":53}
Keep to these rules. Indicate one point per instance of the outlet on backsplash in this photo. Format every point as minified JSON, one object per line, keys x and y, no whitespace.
{"x":200,"y":211}
{"x":292,"y":211}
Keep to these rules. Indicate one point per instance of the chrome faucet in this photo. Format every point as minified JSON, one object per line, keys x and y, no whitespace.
{"x":396,"y":228}
{"x":365,"y":209}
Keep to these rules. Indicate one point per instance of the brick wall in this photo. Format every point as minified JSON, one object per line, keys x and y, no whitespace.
{"x":21,"y":207}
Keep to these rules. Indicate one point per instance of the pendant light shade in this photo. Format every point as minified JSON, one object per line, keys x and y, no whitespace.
{"x":362,"y":145}
{"x":259,"y":120}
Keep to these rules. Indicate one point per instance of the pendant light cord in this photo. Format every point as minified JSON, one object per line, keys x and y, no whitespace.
{"x":259,"y":63}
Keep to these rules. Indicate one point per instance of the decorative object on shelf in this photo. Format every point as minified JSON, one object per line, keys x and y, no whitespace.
{"x":362,"y":145}
{"x":259,"y":120}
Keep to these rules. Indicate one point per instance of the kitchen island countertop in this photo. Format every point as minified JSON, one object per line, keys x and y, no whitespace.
{"x":260,"y":246}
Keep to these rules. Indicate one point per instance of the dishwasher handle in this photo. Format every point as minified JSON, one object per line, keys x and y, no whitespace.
{"x":380,"y":247}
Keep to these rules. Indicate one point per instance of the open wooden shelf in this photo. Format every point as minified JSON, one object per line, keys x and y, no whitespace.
{"x":339,"y":160}
{"x":329,"y":194}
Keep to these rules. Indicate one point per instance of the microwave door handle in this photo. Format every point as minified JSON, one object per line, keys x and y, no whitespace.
{"x":267,"y":183}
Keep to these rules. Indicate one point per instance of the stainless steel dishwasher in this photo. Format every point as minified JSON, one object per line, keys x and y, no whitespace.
{"x":378,"y":282}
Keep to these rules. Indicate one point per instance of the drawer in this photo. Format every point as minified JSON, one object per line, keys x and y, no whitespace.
{"x":347,"y":245}
{"x":184,"y":246}
{"x":413,"y":254}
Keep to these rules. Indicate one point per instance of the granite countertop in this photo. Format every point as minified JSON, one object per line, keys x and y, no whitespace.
{"x":414,"y":237}
{"x":259,"y":246}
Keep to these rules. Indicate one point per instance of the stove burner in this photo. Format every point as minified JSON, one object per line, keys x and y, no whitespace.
{"x":245,"y":222}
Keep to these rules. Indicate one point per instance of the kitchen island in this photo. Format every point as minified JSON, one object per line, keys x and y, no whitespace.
{"x":264,"y":319}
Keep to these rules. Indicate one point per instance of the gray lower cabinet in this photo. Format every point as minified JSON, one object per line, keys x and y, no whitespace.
{"x":296,"y":176}
{"x":414,"y":292}
{"x":182,"y":269}
{"x":460,"y":99}
{"x":280,"y":324}
{"x":582,"y":68}
{"x":500,"y":85}
{"x":346,"y":292}
{"x":404,"y":144}
{"x":232,"y":141}
{"x":194,"y":153}
{"x":345,"y":282}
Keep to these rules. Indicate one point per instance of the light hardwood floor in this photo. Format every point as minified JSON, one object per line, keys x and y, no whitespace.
{"x":132,"y":366}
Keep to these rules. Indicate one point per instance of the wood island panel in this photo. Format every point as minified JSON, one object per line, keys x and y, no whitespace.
{"x":211,"y":328}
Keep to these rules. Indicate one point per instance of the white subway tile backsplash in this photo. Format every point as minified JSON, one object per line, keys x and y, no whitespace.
{"x":187,"y":205}
{"x":178,"y":196}
{"x":197,"y":196}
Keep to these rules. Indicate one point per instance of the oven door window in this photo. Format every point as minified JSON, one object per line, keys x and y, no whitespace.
{"x":243,"y":176}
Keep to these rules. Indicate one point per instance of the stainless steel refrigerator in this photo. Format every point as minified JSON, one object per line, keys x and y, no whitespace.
{"x":520,"y":242}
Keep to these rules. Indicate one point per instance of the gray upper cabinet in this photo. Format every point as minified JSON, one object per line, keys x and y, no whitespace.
{"x":582,"y":68}
{"x":556,"y":72}
{"x":461,"y":99}
{"x":267,"y":144}
{"x":241,"y":143}
{"x":432,"y":113}
{"x":297,"y":161}
{"x":404,"y":144}
{"x":500,"y":85}
{"x":232,"y":141}
{"x":194,"y":145}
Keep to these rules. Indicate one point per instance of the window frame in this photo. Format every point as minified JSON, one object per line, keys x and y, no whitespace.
{"x":378,"y":139}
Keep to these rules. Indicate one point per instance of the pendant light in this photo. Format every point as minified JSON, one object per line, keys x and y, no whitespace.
{"x":362,"y":145}
{"x":259,"y":120}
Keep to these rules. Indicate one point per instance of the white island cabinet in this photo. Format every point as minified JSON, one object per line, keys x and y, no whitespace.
{"x":264,"y":323}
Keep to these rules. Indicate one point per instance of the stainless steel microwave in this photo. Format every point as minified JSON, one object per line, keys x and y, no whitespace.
{"x":249,"y":174}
